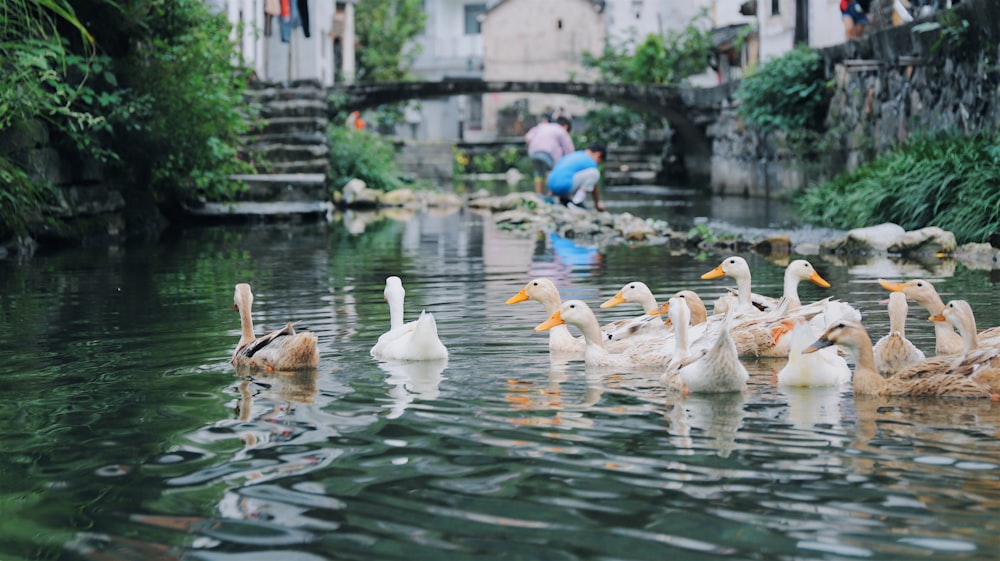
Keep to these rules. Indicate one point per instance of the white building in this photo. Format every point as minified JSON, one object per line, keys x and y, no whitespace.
{"x":320,"y":47}
{"x":451,"y":47}
{"x":529,"y":40}
{"x":782,"y":24}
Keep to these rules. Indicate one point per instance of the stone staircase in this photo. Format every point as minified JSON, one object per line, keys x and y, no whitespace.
{"x":630,"y":165}
{"x":292,"y":149}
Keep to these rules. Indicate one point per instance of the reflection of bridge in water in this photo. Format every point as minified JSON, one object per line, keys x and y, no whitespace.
{"x":689,"y":110}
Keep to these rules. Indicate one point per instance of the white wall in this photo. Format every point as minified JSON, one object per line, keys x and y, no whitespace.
{"x":301,"y":58}
{"x":539,"y":41}
{"x":446,"y":51}
{"x":825,"y":24}
{"x":777,"y":33}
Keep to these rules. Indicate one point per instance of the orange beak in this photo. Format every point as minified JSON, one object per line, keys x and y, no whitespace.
{"x":892,"y":286}
{"x":815,"y":278}
{"x":519,"y":297}
{"x":662,"y":310}
{"x":939,"y":317}
{"x":714,"y":273}
{"x":554,"y":320}
{"x":614,"y":300}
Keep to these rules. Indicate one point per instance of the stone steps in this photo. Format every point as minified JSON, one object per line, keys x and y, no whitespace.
{"x":318,"y":165}
{"x":290,"y":153}
{"x":254,"y":211}
{"x":315,"y":108}
{"x":299,"y":187}
{"x":283,"y":126}
{"x":292,"y":145}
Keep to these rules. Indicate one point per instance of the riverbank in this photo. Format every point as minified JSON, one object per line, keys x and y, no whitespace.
{"x":526,"y":214}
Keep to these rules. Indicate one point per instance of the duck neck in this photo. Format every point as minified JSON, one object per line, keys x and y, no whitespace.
{"x":867,"y":380}
{"x":791,"y":291}
{"x":648,"y":302}
{"x":743,"y":295}
{"x":592,"y":332}
{"x":395,"y":312}
{"x":970,"y":339}
{"x":682,"y":341}
{"x":897,"y":315}
{"x":246,"y":324}
{"x":552,"y":304}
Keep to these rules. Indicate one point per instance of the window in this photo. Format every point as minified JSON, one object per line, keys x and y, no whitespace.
{"x":473,"y":15}
{"x":475,"y":113}
{"x":775,"y":7}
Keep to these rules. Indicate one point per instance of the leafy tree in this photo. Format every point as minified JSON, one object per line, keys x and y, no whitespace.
{"x":385,"y":30}
{"x":658,"y":59}
{"x":187,"y":115}
{"x":42,"y":80}
{"x":786,"y":93}
{"x":147,"y":87}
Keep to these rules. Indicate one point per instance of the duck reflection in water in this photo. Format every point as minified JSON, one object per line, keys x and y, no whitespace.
{"x":561,"y":394}
{"x":411,"y":381}
{"x":705,"y":421}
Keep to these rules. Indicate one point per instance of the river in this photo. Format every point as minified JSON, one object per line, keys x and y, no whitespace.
{"x":127,"y":434}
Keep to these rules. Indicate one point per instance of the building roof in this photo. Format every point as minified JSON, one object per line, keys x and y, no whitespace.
{"x":598,"y":5}
{"x":723,"y":37}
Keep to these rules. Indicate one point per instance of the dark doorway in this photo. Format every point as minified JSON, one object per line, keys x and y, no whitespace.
{"x":801,"y":22}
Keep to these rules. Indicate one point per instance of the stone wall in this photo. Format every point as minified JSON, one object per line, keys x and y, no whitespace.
{"x":936,"y":74}
{"x":87,"y":204}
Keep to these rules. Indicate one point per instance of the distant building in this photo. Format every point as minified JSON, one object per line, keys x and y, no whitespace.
{"x":320,"y":46}
{"x":527,"y":40}
{"x":782,"y":24}
{"x":451,"y":47}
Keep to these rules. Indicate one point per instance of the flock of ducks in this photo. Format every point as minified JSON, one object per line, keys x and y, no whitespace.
{"x":698,"y":352}
{"x":701,"y":352}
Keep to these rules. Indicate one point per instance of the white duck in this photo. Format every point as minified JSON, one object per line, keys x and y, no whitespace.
{"x":894,"y":351}
{"x":946,"y":341}
{"x":715,"y":370}
{"x":980,"y":360}
{"x":544,"y":291}
{"x":639,"y":326}
{"x":416,"y":340}
{"x":935,"y":381}
{"x":282,"y":349}
{"x":818,"y":369}
{"x":737,"y":268}
{"x":578,"y":314}
{"x":797,"y":271}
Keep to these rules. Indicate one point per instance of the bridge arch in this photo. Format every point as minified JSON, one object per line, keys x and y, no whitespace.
{"x":688,"y":110}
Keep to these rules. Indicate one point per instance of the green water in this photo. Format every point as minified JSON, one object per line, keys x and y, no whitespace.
{"x":127,"y":435}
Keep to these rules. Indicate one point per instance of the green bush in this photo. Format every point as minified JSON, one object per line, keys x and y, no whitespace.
{"x":658,"y":58}
{"x":363,"y":155}
{"x":786,"y":93}
{"x":161,"y":104}
{"x":948,"y":181}
{"x":616,"y":125}
{"x":188,"y":115}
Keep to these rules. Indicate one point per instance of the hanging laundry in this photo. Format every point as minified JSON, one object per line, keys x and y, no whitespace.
{"x":287,"y":25}
{"x":271,"y":8}
{"x":304,"y":16}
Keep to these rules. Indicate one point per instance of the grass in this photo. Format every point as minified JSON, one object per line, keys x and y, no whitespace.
{"x":948,"y":181}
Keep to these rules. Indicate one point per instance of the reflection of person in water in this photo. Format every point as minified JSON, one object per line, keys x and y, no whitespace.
{"x":566,"y":258}
{"x":567,"y":252}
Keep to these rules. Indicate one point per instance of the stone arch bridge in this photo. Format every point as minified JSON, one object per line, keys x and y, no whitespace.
{"x":689,"y":110}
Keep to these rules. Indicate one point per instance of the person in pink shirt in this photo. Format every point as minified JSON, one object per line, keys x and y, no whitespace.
{"x":547,"y":143}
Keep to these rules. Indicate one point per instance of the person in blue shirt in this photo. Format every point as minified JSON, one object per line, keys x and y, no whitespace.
{"x":577,"y":174}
